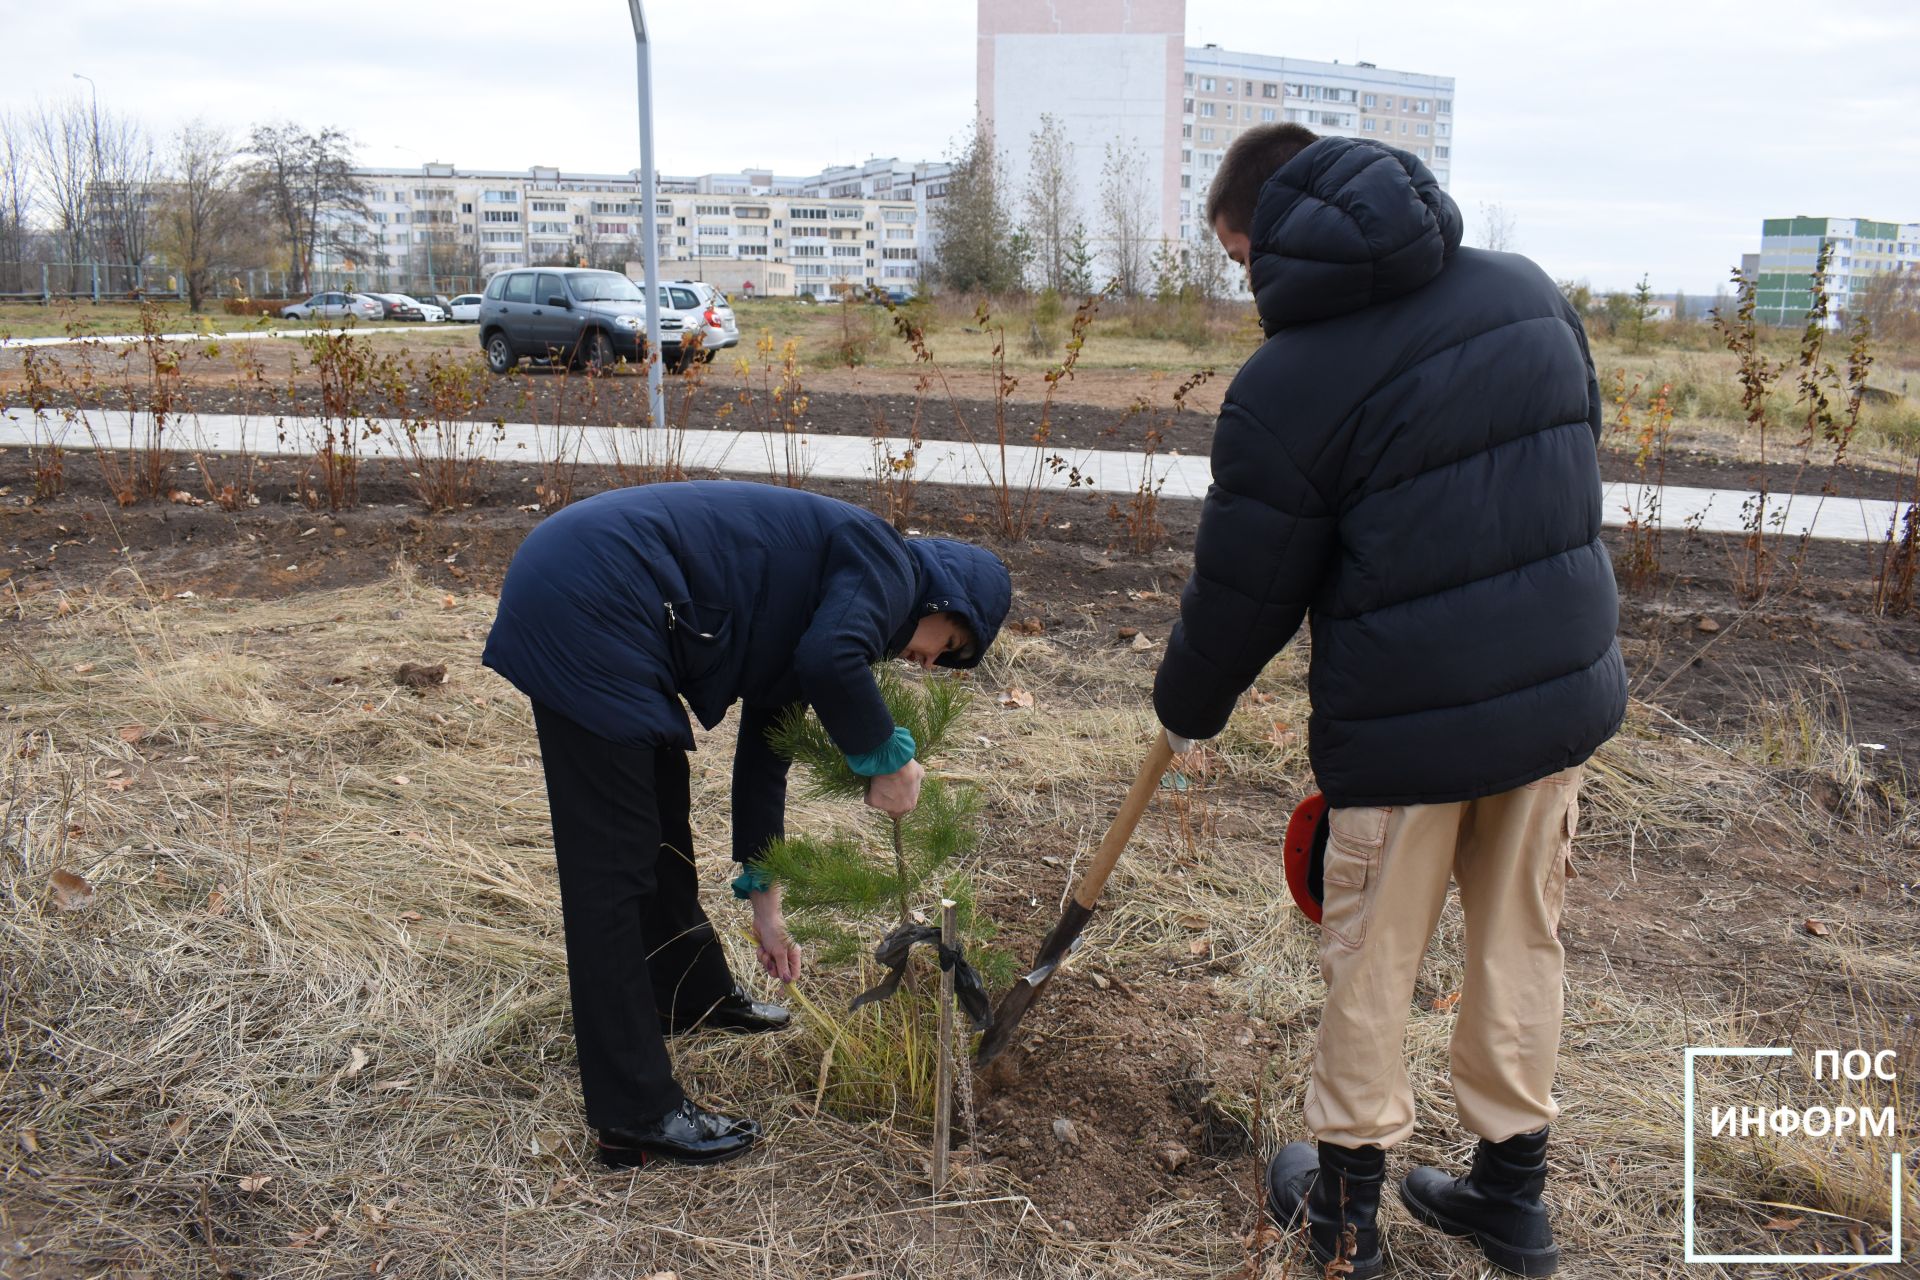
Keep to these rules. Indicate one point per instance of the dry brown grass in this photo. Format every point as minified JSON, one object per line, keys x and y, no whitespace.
{"x":323,"y":949}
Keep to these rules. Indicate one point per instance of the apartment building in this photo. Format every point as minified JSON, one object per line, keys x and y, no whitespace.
{"x":1119,"y":73}
{"x":449,"y":229}
{"x":1225,"y":93}
{"x":1863,"y":251}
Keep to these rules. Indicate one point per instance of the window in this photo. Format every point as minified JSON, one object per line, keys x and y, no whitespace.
{"x":711,"y":231}
{"x":1189,"y":79}
{"x":809,"y":251}
{"x":606,"y":206}
{"x":751,"y":233}
{"x":1386,"y":104}
{"x":846,"y":251}
{"x":1295,"y":91}
{"x":1269,"y":90}
{"x":899,"y":233}
{"x":715,"y":251}
{"x":1444,"y":106}
{"x":466,"y":207}
{"x":503,"y":215}
{"x":1440,"y":153}
{"x":1444,"y":130}
{"x":1206,"y":111}
{"x":1206,"y":84}
{"x":1421,"y":152}
{"x":519,"y":287}
{"x":846,"y":213}
{"x":1206,"y":135}
{"x":1186,"y":106}
{"x":896,"y":215}
{"x":614,"y":229}
{"x":1186,"y":131}
{"x":1421,"y":131}
{"x":1186,"y":182}
{"x":500,"y":197}
{"x":549,"y":287}
{"x":1186,"y":155}
{"x":1424,"y":106}
{"x":1266,"y":115}
{"x":1367,"y":125}
{"x":549,"y":206}
{"x":753,"y":251}
{"x":1229,"y":86}
{"x":1370,"y":101}
{"x":814,"y":214}
{"x":713,"y":210}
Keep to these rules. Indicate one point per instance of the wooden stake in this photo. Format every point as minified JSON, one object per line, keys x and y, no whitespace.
{"x":943,"y":1067}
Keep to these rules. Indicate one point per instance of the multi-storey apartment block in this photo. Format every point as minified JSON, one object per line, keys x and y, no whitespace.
{"x":1226,"y":93}
{"x":444,"y":228}
{"x":1862,"y":252}
{"x":1119,"y":74}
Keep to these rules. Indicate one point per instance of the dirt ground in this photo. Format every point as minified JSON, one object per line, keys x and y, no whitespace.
{"x":1150,"y":1050}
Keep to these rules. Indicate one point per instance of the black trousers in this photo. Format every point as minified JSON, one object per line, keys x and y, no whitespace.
{"x":638,"y":945}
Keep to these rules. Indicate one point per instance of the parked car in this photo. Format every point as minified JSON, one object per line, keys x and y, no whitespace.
{"x":436,"y":300}
{"x":566,"y":315}
{"x":399,"y":306}
{"x":335,"y":306}
{"x":465,"y":308}
{"x":702,"y":310}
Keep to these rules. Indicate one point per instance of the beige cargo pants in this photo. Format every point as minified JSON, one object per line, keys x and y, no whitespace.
{"x":1386,"y":882}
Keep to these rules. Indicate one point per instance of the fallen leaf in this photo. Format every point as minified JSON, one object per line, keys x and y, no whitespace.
{"x":30,"y":1141}
{"x":389,"y":1255}
{"x":1258,"y":697}
{"x":180,"y":497}
{"x":81,"y":668}
{"x":401,"y":779}
{"x":1141,"y":643}
{"x":1016,"y":697}
{"x":114,"y":772}
{"x":447,"y":602}
{"x":391,"y":1086}
{"x":70,"y":892}
{"x":177,"y":1127}
{"x":254,"y":1182}
{"x":1445,"y":1004}
{"x":1193,"y":921}
{"x":1781,"y":1224}
{"x":1817,"y":929}
{"x":373,"y":1213}
{"x":1706,"y":626}
{"x":133,"y":733}
{"x":1027,"y":627}
{"x":1280,"y":735}
{"x":411,"y":915}
{"x":357,"y":1064}
{"x":1128,"y":633}
{"x":1199,"y":947}
{"x":217,"y":902}
{"x":64,"y":607}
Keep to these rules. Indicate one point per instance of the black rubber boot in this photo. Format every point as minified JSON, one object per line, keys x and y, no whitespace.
{"x":1498,"y":1204}
{"x":1336,"y":1192}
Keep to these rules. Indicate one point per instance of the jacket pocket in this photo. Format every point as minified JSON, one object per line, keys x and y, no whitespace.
{"x":698,"y":637}
{"x":1355,"y":838}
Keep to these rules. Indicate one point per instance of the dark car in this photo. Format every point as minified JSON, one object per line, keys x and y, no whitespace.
{"x":435,"y":300}
{"x":570,"y":315}
{"x":398,"y":306}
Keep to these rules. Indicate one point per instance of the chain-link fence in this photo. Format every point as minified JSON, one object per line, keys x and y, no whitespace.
{"x":47,"y":282}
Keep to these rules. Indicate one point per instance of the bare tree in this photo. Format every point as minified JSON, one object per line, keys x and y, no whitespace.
{"x":306,"y":182}
{"x":60,"y":147}
{"x":16,"y":203}
{"x":119,"y":214}
{"x":202,"y":208}
{"x":1049,"y":203}
{"x":1127,"y":223}
{"x":1497,"y":228}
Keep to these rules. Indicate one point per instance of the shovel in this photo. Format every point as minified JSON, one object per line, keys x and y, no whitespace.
{"x":1066,"y":933}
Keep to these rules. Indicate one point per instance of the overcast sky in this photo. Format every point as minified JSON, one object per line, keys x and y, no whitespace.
{"x":1630,"y":136}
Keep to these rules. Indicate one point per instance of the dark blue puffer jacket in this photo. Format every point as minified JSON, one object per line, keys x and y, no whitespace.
{"x":1411,"y":458}
{"x":616,"y":608}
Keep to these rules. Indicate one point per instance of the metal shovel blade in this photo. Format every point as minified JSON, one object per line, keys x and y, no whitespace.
{"x":1013,"y":1006}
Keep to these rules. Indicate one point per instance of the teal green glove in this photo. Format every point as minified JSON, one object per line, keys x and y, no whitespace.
{"x":888,"y":757}
{"x":750,"y":881}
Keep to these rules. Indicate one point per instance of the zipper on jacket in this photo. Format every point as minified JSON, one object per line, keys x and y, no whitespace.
{"x":673,"y":621}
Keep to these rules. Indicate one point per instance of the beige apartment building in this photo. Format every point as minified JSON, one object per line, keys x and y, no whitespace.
{"x":445,"y":229}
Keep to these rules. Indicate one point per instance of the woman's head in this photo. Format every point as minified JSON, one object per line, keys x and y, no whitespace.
{"x":937,"y":635}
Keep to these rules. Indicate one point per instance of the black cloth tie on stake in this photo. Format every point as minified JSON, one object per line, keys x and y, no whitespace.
{"x":895,"y":950}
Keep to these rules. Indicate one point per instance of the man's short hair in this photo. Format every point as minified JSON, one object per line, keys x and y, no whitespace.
{"x":1249,"y":162}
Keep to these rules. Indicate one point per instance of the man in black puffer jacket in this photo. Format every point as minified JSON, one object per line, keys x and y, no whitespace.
{"x":1410,"y":460}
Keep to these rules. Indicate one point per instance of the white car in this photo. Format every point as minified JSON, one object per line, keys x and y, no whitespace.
{"x":466,"y":308}
{"x":335,"y":306}
{"x":701,"y":309}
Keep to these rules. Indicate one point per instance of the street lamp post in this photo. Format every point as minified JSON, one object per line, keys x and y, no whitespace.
{"x":649,"y":252}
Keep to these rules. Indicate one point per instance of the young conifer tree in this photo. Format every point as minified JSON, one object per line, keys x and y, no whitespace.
{"x":834,"y":884}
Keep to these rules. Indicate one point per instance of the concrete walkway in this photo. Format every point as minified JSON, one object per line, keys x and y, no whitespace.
{"x":245,"y":335}
{"x":765,"y":455}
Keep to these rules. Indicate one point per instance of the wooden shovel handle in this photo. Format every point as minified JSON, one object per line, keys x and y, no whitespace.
{"x":1159,"y":756}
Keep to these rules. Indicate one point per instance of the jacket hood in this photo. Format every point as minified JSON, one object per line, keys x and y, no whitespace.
{"x":1343,"y":225}
{"x":969,"y":581}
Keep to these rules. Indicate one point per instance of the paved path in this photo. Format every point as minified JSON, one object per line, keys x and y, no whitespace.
{"x":829,"y":457}
{"x":245,"y":335}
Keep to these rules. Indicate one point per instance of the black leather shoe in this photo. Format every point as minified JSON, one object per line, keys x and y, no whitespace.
{"x":1335,"y":1193}
{"x":736,"y":1011}
{"x":1497,"y":1204}
{"x":685,"y":1135}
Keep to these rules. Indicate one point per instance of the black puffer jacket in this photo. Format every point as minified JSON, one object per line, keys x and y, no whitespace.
{"x":1411,"y":457}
